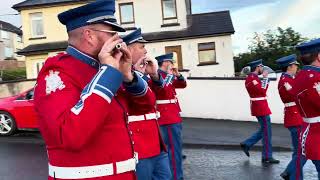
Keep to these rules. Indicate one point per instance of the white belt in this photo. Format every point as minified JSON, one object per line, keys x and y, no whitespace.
{"x":169,"y":101}
{"x":258,"y":99}
{"x":149,"y":116}
{"x":93,"y":171}
{"x":312,"y":120}
{"x":290,"y":104}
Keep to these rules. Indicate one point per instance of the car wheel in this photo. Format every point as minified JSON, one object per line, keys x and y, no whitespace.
{"x":7,"y":124}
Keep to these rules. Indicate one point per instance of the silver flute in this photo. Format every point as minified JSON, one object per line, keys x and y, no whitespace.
{"x":118,"y":46}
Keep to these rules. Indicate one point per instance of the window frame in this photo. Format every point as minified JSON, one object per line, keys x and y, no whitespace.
{"x":37,"y":68}
{"x":207,"y":49}
{"x":31,"y":25}
{"x":124,"y":4}
{"x":176,"y":11}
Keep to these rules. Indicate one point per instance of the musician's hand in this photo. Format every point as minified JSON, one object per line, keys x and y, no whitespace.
{"x":108,"y":55}
{"x":152,"y":68}
{"x":125,"y":64}
{"x":141,"y":65}
{"x":175,"y":72}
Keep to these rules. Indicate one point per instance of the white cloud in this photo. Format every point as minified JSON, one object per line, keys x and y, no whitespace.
{"x":217,"y":5}
{"x":303,"y":16}
{"x":248,"y":20}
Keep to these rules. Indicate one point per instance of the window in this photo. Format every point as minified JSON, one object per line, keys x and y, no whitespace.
{"x":126,"y":13}
{"x":29,"y":95}
{"x":8,"y":52}
{"x":207,"y":52}
{"x":5,"y":34}
{"x":169,"y":10}
{"x":37,"y":67}
{"x":36,"y":25}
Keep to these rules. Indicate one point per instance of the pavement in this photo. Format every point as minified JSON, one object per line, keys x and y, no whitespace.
{"x":211,"y":146}
{"x":227,"y":134}
{"x":215,"y":164}
{"x":25,"y":158}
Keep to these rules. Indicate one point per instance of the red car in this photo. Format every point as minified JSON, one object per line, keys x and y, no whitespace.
{"x":17,"y":113}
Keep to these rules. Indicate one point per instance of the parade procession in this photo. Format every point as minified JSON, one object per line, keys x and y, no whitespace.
{"x":111,"y":99}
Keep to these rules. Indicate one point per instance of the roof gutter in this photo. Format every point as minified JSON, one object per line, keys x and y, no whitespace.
{"x":189,"y":37}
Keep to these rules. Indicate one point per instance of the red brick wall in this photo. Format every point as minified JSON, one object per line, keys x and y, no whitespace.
{"x":11,"y":64}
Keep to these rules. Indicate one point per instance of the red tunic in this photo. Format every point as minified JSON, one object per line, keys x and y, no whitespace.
{"x":144,"y":126}
{"x":306,"y":89}
{"x":292,"y":116}
{"x":257,"y":90}
{"x":82,"y":115}
{"x":167,"y":103}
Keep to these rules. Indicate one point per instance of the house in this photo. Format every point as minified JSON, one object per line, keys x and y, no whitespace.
{"x":201,"y":42}
{"x":10,"y":42}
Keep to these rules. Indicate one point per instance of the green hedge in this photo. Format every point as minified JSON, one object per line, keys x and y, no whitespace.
{"x":16,"y":74}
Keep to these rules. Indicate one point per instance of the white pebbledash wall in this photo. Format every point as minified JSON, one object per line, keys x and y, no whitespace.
{"x":213,"y":99}
{"x":225,"y":99}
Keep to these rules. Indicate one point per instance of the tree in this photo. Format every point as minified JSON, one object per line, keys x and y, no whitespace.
{"x":270,"y":46}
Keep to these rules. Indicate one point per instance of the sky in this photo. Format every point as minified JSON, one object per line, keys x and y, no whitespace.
{"x":5,"y":9}
{"x":248,"y":16}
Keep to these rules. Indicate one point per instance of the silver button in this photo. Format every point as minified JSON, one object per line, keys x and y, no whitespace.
{"x":93,"y":63}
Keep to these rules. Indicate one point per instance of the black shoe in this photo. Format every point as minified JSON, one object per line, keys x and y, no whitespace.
{"x":270,"y":161}
{"x":245,"y":149}
{"x":285,"y":175}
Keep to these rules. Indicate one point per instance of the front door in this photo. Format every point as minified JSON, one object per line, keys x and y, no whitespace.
{"x":177,"y":55}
